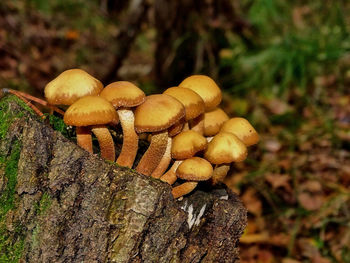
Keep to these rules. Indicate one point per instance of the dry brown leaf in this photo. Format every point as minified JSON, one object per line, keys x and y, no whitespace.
{"x":279,"y":180}
{"x":252,"y":202}
{"x":310,"y":201}
{"x":272,"y":145}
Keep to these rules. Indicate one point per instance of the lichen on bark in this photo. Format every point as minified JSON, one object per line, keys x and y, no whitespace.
{"x":60,"y":203}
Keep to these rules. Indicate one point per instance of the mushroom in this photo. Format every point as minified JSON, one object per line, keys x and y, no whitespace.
{"x":213,"y":120}
{"x":242,"y":129}
{"x":124,"y":95}
{"x":193,"y":169}
{"x":183,"y":189}
{"x":205,"y":87}
{"x":185,"y":145}
{"x":194,"y":104}
{"x":156,"y":115}
{"x":93,"y":113}
{"x":70,"y":86}
{"x":222,"y":150}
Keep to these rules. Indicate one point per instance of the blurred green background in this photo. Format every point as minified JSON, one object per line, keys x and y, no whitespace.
{"x":283,"y":65}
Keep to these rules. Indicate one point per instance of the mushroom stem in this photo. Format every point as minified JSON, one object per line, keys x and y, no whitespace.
{"x":130,"y":138}
{"x":183,"y":189}
{"x":84,"y":138}
{"x":170,"y":176}
{"x":105,"y":141}
{"x":209,"y":138}
{"x":197,"y":124}
{"x":154,"y":153}
{"x":186,"y":127}
{"x":164,"y":162}
{"x":219,"y":173}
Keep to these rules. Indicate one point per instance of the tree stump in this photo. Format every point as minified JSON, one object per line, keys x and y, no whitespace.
{"x":59,"y":203}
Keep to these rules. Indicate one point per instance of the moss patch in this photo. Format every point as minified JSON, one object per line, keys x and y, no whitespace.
{"x":43,"y":204}
{"x":7,"y":116}
{"x":58,"y":124}
{"x":11,"y":243}
{"x":10,"y":172}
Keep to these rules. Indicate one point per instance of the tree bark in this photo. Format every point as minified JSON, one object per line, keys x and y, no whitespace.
{"x":59,"y":203}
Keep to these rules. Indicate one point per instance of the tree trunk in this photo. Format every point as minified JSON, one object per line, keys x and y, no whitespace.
{"x":58,"y":203}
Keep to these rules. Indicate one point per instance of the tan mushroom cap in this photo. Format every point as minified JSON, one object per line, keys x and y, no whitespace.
{"x":242,"y":129}
{"x":193,"y":103}
{"x":158,"y":113}
{"x":213,"y":120}
{"x":123,"y":94}
{"x":183,"y":189}
{"x":225,"y":147}
{"x":195,"y":169}
{"x":205,"y":87}
{"x":70,"y":86}
{"x":90,"y":110}
{"x":186,"y":144}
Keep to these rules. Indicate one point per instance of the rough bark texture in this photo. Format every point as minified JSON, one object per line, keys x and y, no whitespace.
{"x":61,"y":204}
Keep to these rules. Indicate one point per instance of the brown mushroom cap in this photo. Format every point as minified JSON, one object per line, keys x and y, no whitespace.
{"x":158,"y":113}
{"x":225,"y":147}
{"x":193,"y":103}
{"x":195,"y":169}
{"x":186,"y":144}
{"x":242,"y":129}
{"x":205,"y":87}
{"x":123,"y":94}
{"x":213,"y":120}
{"x":71,"y":85}
{"x":90,"y":110}
{"x":183,"y":189}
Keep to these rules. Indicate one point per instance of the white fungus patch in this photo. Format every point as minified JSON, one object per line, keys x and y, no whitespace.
{"x":201,"y":213}
{"x":193,"y":219}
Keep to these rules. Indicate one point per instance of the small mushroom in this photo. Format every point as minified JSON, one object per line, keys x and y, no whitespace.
{"x":205,"y":87}
{"x":125,"y":95}
{"x":185,"y":145}
{"x":93,"y":113}
{"x":213,"y":120}
{"x":242,"y":129}
{"x":222,"y":150}
{"x":156,"y":115}
{"x":183,"y":189}
{"x":194,"y":104}
{"x":195,"y":169}
{"x":225,"y":147}
{"x":70,"y":86}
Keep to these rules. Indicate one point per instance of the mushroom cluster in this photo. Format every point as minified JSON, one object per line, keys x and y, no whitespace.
{"x":191,"y":138}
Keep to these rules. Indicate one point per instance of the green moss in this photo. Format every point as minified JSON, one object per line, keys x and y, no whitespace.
{"x":35,"y":238}
{"x":43,"y":204}
{"x":11,"y":165}
{"x":58,"y":124}
{"x":10,"y":248}
{"x":11,"y":243}
{"x":7,"y":116}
